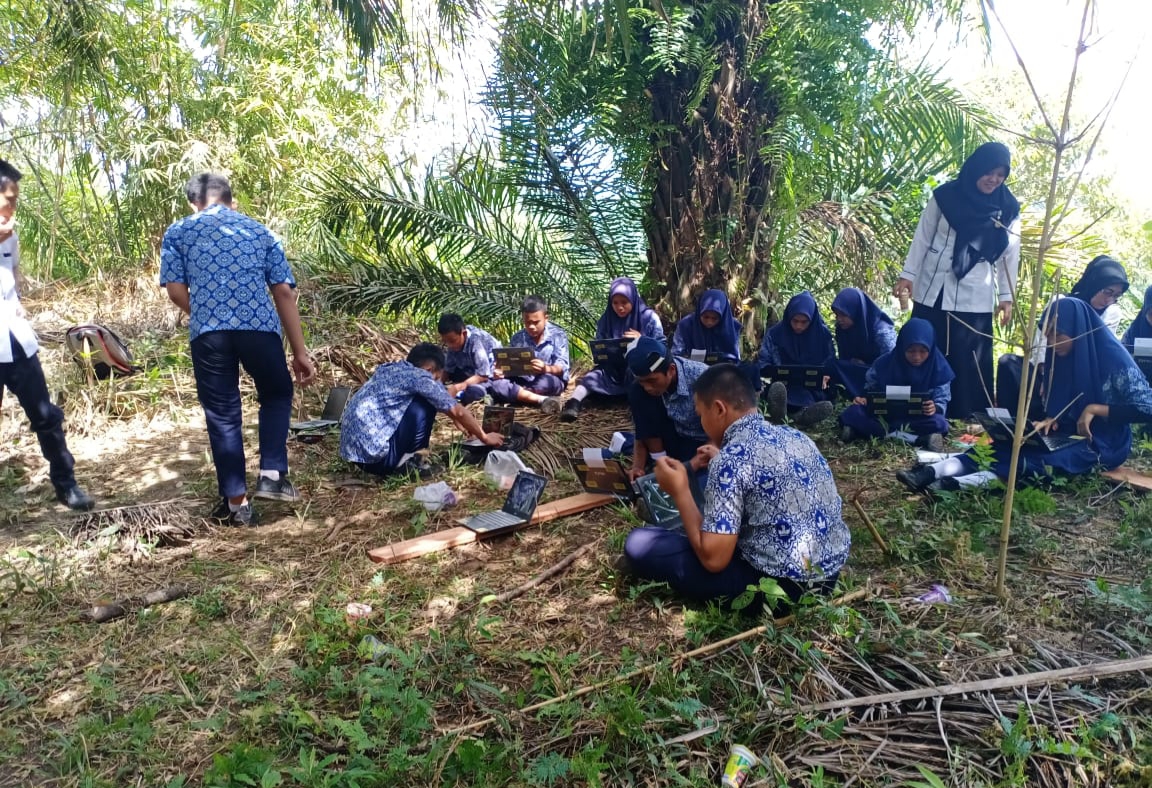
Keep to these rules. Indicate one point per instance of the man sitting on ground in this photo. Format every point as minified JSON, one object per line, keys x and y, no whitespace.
{"x":390,"y":418}
{"x":771,"y":506}
{"x":467,"y":358}
{"x":549,"y":343}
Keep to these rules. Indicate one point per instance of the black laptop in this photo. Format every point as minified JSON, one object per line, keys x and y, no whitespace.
{"x":896,"y":404}
{"x":796,"y":374}
{"x":519,"y":506}
{"x":514,"y":361}
{"x":496,"y":418}
{"x":1001,"y":427}
{"x":700,"y":354}
{"x":333,"y":409}
{"x":602,"y":476}
{"x":609,"y":353}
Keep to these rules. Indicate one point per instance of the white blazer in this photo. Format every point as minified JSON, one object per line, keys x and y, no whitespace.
{"x":929,"y":267}
{"x":11,"y":324}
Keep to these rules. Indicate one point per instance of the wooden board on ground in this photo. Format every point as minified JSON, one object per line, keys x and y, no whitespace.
{"x":1130,"y":476}
{"x":459,"y":536}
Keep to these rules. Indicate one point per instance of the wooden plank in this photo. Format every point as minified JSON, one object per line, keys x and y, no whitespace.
{"x":456,"y":537}
{"x":1129,"y":476}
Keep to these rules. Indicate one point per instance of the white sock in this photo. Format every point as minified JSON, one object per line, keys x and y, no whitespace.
{"x":900,"y":435}
{"x":658,"y":454}
{"x":406,"y":457}
{"x":267,"y":474}
{"x":235,"y":507}
{"x":949,"y":467}
{"x":579,"y":393}
{"x":978,"y":479}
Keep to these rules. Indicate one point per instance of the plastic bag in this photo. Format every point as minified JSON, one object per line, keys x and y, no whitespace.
{"x":435,"y":496}
{"x":502,"y":467}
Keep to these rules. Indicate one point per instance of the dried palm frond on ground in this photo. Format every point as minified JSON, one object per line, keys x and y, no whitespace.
{"x":359,"y":354}
{"x":560,"y":440}
{"x":166,"y":523}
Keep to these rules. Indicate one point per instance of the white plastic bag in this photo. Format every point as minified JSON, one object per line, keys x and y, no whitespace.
{"x":435,"y":496}
{"x":502,"y":467}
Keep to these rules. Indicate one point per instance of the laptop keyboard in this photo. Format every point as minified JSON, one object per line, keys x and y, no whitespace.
{"x":490,"y":520}
{"x":1055,"y":442}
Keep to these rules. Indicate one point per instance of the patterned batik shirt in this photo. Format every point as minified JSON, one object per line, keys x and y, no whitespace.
{"x":552,"y":348}
{"x":374,"y":412}
{"x":474,"y":358}
{"x":228,"y":261}
{"x":772,"y":487}
{"x":680,"y":402}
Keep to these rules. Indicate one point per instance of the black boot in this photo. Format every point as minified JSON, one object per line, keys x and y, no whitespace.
{"x":918,"y":478}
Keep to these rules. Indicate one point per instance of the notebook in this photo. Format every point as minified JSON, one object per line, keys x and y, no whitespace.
{"x":514,"y":361}
{"x":330,"y":418}
{"x":796,"y":374}
{"x":896,"y":403}
{"x":1000,"y":426}
{"x":601,"y":476}
{"x":519,"y":506}
{"x":1142,"y":353}
{"x":496,"y":418}
{"x":609,"y":353}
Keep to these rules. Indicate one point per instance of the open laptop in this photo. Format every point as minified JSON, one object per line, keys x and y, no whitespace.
{"x":600,"y":476}
{"x":1142,"y":353}
{"x":514,"y":361}
{"x":796,"y":374}
{"x":609,"y":353}
{"x":330,"y":418}
{"x":1000,"y":426}
{"x":896,"y":404}
{"x":496,"y":418}
{"x":519,"y":506}
{"x":699,"y":354}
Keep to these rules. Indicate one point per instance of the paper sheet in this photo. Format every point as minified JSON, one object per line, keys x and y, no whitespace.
{"x":593,"y":458}
{"x":898,"y":392}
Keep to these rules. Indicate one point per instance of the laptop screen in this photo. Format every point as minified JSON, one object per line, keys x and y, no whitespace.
{"x":524,"y":495}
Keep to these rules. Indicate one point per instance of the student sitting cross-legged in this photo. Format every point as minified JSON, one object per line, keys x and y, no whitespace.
{"x":800,"y":339}
{"x":627,"y":316}
{"x":660,"y":399}
{"x":864,"y":333}
{"x":917,"y":363}
{"x":1094,"y":389}
{"x":710,"y":331}
{"x":771,"y":508}
{"x":549,"y":343}
{"x":390,"y":419}
{"x":467,"y":358}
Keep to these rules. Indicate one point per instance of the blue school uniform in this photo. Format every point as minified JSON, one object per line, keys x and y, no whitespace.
{"x":783,"y":346}
{"x":722,"y":340}
{"x":614,"y":383}
{"x":552,"y":349}
{"x":473,"y":358}
{"x":872,"y":335}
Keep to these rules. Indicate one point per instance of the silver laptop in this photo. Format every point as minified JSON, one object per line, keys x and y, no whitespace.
{"x":519,"y":506}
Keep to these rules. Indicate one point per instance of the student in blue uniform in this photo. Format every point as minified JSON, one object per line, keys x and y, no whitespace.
{"x":626,"y":316}
{"x":801,"y":339}
{"x":389,"y":420}
{"x":915,"y":362}
{"x":1141,"y":327}
{"x":549,"y":343}
{"x":710,"y":330}
{"x":1094,"y":389}
{"x":771,"y":507}
{"x":864,"y":332}
{"x":467,"y":358}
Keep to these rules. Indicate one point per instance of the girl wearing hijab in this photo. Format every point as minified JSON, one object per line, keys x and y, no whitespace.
{"x":915,"y":362}
{"x":710,"y":331}
{"x":800,"y":339}
{"x":965,"y":258}
{"x":1095,"y":390}
{"x":626,"y":316}
{"x":863,"y":333}
{"x":1141,"y":327}
{"x":1100,"y":286}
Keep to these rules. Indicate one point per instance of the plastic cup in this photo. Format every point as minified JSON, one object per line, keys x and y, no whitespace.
{"x":740,"y":763}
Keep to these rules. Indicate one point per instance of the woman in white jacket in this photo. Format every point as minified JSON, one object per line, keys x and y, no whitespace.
{"x":963,"y":265}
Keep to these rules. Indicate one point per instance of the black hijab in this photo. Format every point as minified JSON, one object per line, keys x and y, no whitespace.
{"x":980,"y":220}
{"x":1102,"y":272}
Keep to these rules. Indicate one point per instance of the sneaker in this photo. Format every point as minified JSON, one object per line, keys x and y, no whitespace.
{"x":814,"y":414}
{"x":571,"y":410}
{"x":244,"y":517}
{"x":932,"y":442}
{"x":75,"y":498}
{"x":916,"y":479}
{"x":550,"y":406}
{"x":777,"y":402}
{"x":276,"y":489}
{"x":622,"y":565}
{"x":848,"y":434}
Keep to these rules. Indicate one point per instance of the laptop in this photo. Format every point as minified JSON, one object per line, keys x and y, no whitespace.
{"x":896,"y":403}
{"x":699,"y":354}
{"x":796,"y":374}
{"x":656,"y":507}
{"x":496,"y":418}
{"x":514,"y":361}
{"x":1142,"y":353}
{"x":609,"y":353}
{"x":330,"y":418}
{"x":1000,"y":426}
{"x":600,"y":476}
{"x":519,"y":506}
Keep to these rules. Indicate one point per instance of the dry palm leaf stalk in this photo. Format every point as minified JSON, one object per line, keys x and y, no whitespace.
{"x":166,"y":523}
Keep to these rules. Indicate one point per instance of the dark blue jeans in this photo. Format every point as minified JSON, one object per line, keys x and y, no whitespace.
{"x":24,"y":377}
{"x":472,"y":393}
{"x":413,"y":434}
{"x":216,"y":360}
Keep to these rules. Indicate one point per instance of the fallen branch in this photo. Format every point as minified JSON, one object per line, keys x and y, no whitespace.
{"x":547,"y":574}
{"x":868,"y":522}
{"x":1096,"y":670}
{"x":102,"y":613}
{"x":590,"y":688}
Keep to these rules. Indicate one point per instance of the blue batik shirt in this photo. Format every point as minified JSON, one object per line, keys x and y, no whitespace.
{"x":228,"y":261}
{"x":474,"y":358}
{"x":680,"y":402}
{"x":772,"y":487}
{"x":552,"y":348}
{"x":374,"y":412}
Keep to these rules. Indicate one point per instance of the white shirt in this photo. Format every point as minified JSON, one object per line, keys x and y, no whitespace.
{"x":11,"y":324}
{"x":929,"y":267}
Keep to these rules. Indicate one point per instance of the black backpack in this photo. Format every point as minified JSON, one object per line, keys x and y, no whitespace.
{"x":100,"y":347}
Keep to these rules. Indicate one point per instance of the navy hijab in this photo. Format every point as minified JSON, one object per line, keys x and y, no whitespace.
{"x":892,"y":369}
{"x":724,"y":338}
{"x":980,"y":220}
{"x":1102,"y":272}
{"x":810,"y":347}
{"x":610,"y":325}
{"x":866,"y":316}
{"x":1140,"y":328}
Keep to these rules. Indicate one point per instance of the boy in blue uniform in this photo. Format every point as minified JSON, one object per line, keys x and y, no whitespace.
{"x":549,"y":343}
{"x":390,"y":418}
{"x":467,"y":358}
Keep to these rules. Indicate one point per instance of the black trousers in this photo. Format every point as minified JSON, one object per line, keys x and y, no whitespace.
{"x":966,"y":339}
{"x":24,"y":377}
